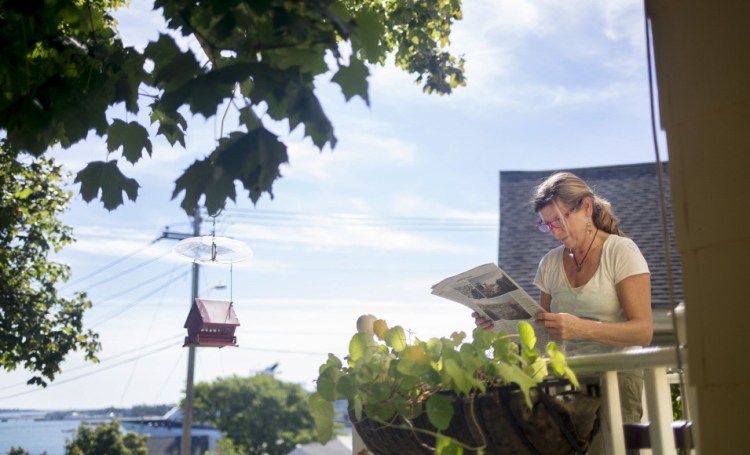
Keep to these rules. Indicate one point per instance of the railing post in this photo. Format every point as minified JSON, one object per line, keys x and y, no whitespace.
{"x":659,"y":402}
{"x":614,"y":435}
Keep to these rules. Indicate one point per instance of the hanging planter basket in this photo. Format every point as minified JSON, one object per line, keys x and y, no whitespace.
{"x":499,"y":419}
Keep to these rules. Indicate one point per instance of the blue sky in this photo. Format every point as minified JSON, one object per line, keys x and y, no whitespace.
{"x":408,"y":197}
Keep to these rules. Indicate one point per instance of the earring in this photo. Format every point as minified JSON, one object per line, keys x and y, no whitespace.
{"x":589,"y":227}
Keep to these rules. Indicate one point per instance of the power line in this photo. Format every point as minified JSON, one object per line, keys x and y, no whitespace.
{"x":276,"y":218}
{"x":110,"y":265}
{"x":134,"y":303}
{"x":139,"y":356}
{"x":81,"y":376}
{"x":280,"y":351}
{"x":99,"y":302}
{"x":170,"y":339}
{"x":127,"y":271}
{"x":148,"y":334}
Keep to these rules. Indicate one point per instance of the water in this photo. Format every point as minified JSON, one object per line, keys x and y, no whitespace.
{"x":35,"y":436}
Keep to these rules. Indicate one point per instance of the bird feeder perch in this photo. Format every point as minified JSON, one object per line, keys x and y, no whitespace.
{"x":211,"y":323}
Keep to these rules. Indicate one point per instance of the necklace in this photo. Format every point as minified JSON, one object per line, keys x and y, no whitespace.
{"x":579,"y":265}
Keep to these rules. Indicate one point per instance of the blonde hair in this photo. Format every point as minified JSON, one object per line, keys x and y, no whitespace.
{"x":569,"y":190}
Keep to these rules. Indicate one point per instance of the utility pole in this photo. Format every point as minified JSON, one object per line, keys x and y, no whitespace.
{"x":187,"y":411}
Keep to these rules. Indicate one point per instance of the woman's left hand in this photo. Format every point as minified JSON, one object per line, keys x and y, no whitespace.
{"x":561,"y":326}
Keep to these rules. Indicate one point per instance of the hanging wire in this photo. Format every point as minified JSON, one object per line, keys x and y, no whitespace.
{"x":665,"y":231}
{"x":213,"y":237}
{"x":231,"y":269}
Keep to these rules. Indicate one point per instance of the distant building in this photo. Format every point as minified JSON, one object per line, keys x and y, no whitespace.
{"x":633,"y":190}
{"x":165,"y":433}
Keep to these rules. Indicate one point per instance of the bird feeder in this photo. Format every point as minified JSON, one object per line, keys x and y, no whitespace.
{"x":211,"y":323}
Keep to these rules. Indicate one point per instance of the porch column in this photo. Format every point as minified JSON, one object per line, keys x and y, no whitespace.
{"x":701,"y":50}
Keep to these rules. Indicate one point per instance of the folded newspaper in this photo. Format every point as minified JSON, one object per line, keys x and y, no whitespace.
{"x":491,"y":292}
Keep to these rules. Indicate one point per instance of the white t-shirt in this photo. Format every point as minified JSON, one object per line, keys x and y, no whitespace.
{"x":597,"y":299}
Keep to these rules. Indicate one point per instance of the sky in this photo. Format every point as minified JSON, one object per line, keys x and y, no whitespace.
{"x":409,"y":196}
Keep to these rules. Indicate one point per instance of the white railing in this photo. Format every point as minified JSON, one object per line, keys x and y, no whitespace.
{"x":654,"y":361}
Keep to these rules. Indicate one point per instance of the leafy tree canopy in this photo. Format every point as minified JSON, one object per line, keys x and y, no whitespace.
{"x":260,"y":414}
{"x":38,"y":328}
{"x":105,"y":438}
{"x":63,"y":66}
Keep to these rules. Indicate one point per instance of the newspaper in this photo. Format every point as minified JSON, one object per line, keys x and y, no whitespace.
{"x":491,"y":292}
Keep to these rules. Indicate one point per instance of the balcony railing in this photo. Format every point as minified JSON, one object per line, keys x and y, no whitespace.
{"x":654,"y":361}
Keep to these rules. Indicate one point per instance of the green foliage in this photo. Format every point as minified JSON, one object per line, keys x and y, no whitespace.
{"x":226,"y":446}
{"x":64,"y":67}
{"x":105,"y":438}
{"x":674,"y":390}
{"x":385,"y":377}
{"x":38,"y":328}
{"x":260,"y":414}
{"x":21,"y":451}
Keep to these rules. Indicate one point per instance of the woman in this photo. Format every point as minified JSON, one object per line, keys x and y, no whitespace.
{"x":596,"y":286}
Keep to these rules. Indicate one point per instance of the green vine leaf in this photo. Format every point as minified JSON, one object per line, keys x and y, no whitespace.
{"x":327,"y":382}
{"x":445,"y":445}
{"x":439,"y":411}
{"x":514,"y":374}
{"x":322,"y":413}
{"x":395,"y":338}
{"x":360,"y":346}
{"x":560,"y":365}
{"x":414,"y":361}
{"x":526,"y":335}
{"x":347,"y":387}
{"x":459,"y":377}
{"x":537,"y":370}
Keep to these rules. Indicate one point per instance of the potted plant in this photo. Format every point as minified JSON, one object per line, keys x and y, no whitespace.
{"x":493,"y":394}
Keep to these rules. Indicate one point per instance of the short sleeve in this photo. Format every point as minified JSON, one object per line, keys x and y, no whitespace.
{"x":628,"y":260}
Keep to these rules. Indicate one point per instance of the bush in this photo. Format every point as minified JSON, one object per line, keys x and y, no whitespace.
{"x":105,"y":438}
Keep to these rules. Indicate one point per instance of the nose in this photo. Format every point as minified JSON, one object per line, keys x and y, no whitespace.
{"x":557,"y":231}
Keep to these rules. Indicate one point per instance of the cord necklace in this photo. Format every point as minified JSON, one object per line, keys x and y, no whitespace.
{"x":579,"y":265}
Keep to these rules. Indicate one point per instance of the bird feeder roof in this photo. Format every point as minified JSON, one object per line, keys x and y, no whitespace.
{"x":214,"y":312}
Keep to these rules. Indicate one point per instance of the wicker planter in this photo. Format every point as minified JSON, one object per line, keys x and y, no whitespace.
{"x":500,"y":420}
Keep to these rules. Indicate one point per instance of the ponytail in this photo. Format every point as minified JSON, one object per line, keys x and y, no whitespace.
{"x":603,"y":218}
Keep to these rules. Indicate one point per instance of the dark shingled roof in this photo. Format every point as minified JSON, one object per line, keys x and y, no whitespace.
{"x":633,"y":191}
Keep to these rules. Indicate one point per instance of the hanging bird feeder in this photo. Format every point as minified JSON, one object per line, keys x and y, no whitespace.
{"x":212,"y":322}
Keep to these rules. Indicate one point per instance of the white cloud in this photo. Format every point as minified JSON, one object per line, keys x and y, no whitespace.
{"x":355,"y":149}
{"x":498,"y":37}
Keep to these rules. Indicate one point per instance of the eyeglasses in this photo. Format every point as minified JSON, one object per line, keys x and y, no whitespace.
{"x":546,"y":226}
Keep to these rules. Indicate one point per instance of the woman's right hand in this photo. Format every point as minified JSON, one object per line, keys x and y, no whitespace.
{"x":482,"y":322}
